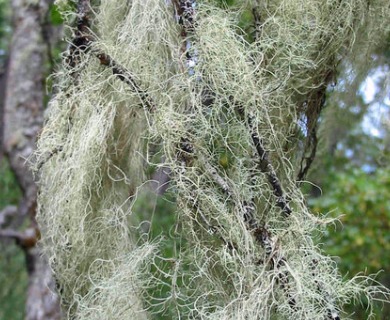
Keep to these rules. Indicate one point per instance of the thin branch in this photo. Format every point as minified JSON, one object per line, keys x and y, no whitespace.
{"x":185,"y":10}
{"x":315,"y":104}
{"x":48,"y":157}
{"x":186,"y":156}
{"x":82,"y":38}
{"x":186,"y":18}
{"x":82,"y":43}
{"x":266,"y":167}
{"x":127,"y":77}
{"x":7,"y":213}
{"x":185,"y":13}
{"x":260,"y":233}
{"x":257,"y":20}
{"x":26,"y":239}
{"x":264,"y":163}
{"x":306,"y":161}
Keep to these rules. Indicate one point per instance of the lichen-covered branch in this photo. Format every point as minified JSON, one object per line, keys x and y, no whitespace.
{"x":224,"y":108}
{"x":82,"y":35}
{"x":267,"y":168}
{"x":124,"y":75}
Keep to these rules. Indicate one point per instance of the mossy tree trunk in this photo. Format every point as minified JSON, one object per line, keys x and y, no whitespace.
{"x":23,"y":119}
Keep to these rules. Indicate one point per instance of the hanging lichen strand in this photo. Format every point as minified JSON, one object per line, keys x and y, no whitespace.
{"x":91,"y":158}
{"x":237,"y":114}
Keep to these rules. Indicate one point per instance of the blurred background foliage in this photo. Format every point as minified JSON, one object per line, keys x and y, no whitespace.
{"x":362,"y":236}
{"x":350,"y":178}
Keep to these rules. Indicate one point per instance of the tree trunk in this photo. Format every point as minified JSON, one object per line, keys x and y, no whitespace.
{"x":23,"y":118}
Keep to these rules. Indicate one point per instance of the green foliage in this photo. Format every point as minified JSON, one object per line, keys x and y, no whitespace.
{"x":13,"y":279}
{"x":13,"y":276}
{"x":4,"y":29}
{"x":9,"y":189}
{"x":65,"y":5}
{"x":362,"y":239}
{"x":225,"y":3}
{"x":55,"y":15}
{"x":353,"y":172}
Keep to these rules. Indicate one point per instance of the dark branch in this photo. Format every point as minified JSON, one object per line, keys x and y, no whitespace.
{"x":186,"y":154}
{"x":26,"y":239}
{"x":267,"y":168}
{"x":126,"y":76}
{"x":82,"y":42}
{"x":260,"y":233}
{"x":315,"y":104}
{"x":257,"y":20}
{"x":48,"y":157}
{"x":307,"y":161}
{"x":82,"y":36}
{"x":186,"y":15}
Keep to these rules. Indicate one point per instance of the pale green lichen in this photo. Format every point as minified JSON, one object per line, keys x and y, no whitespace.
{"x":93,"y":150}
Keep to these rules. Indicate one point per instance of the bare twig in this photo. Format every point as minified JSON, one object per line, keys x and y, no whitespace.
{"x":314,"y":105}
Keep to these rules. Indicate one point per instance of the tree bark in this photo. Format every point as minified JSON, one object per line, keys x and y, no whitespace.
{"x":23,"y":119}
{"x":3,"y":68}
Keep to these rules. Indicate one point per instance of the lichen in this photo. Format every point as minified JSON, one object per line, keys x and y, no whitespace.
{"x":247,"y":249}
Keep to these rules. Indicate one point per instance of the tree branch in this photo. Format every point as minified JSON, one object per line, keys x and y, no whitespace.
{"x":7,"y":213}
{"x":82,"y":43}
{"x":186,"y":156}
{"x":260,"y":233}
{"x":26,"y":239}
{"x":258,"y":25}
{"x":315,"y":103}
{"x":125,"y":76}
{"x":266,"y":167}
{"x":82,"y":38}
